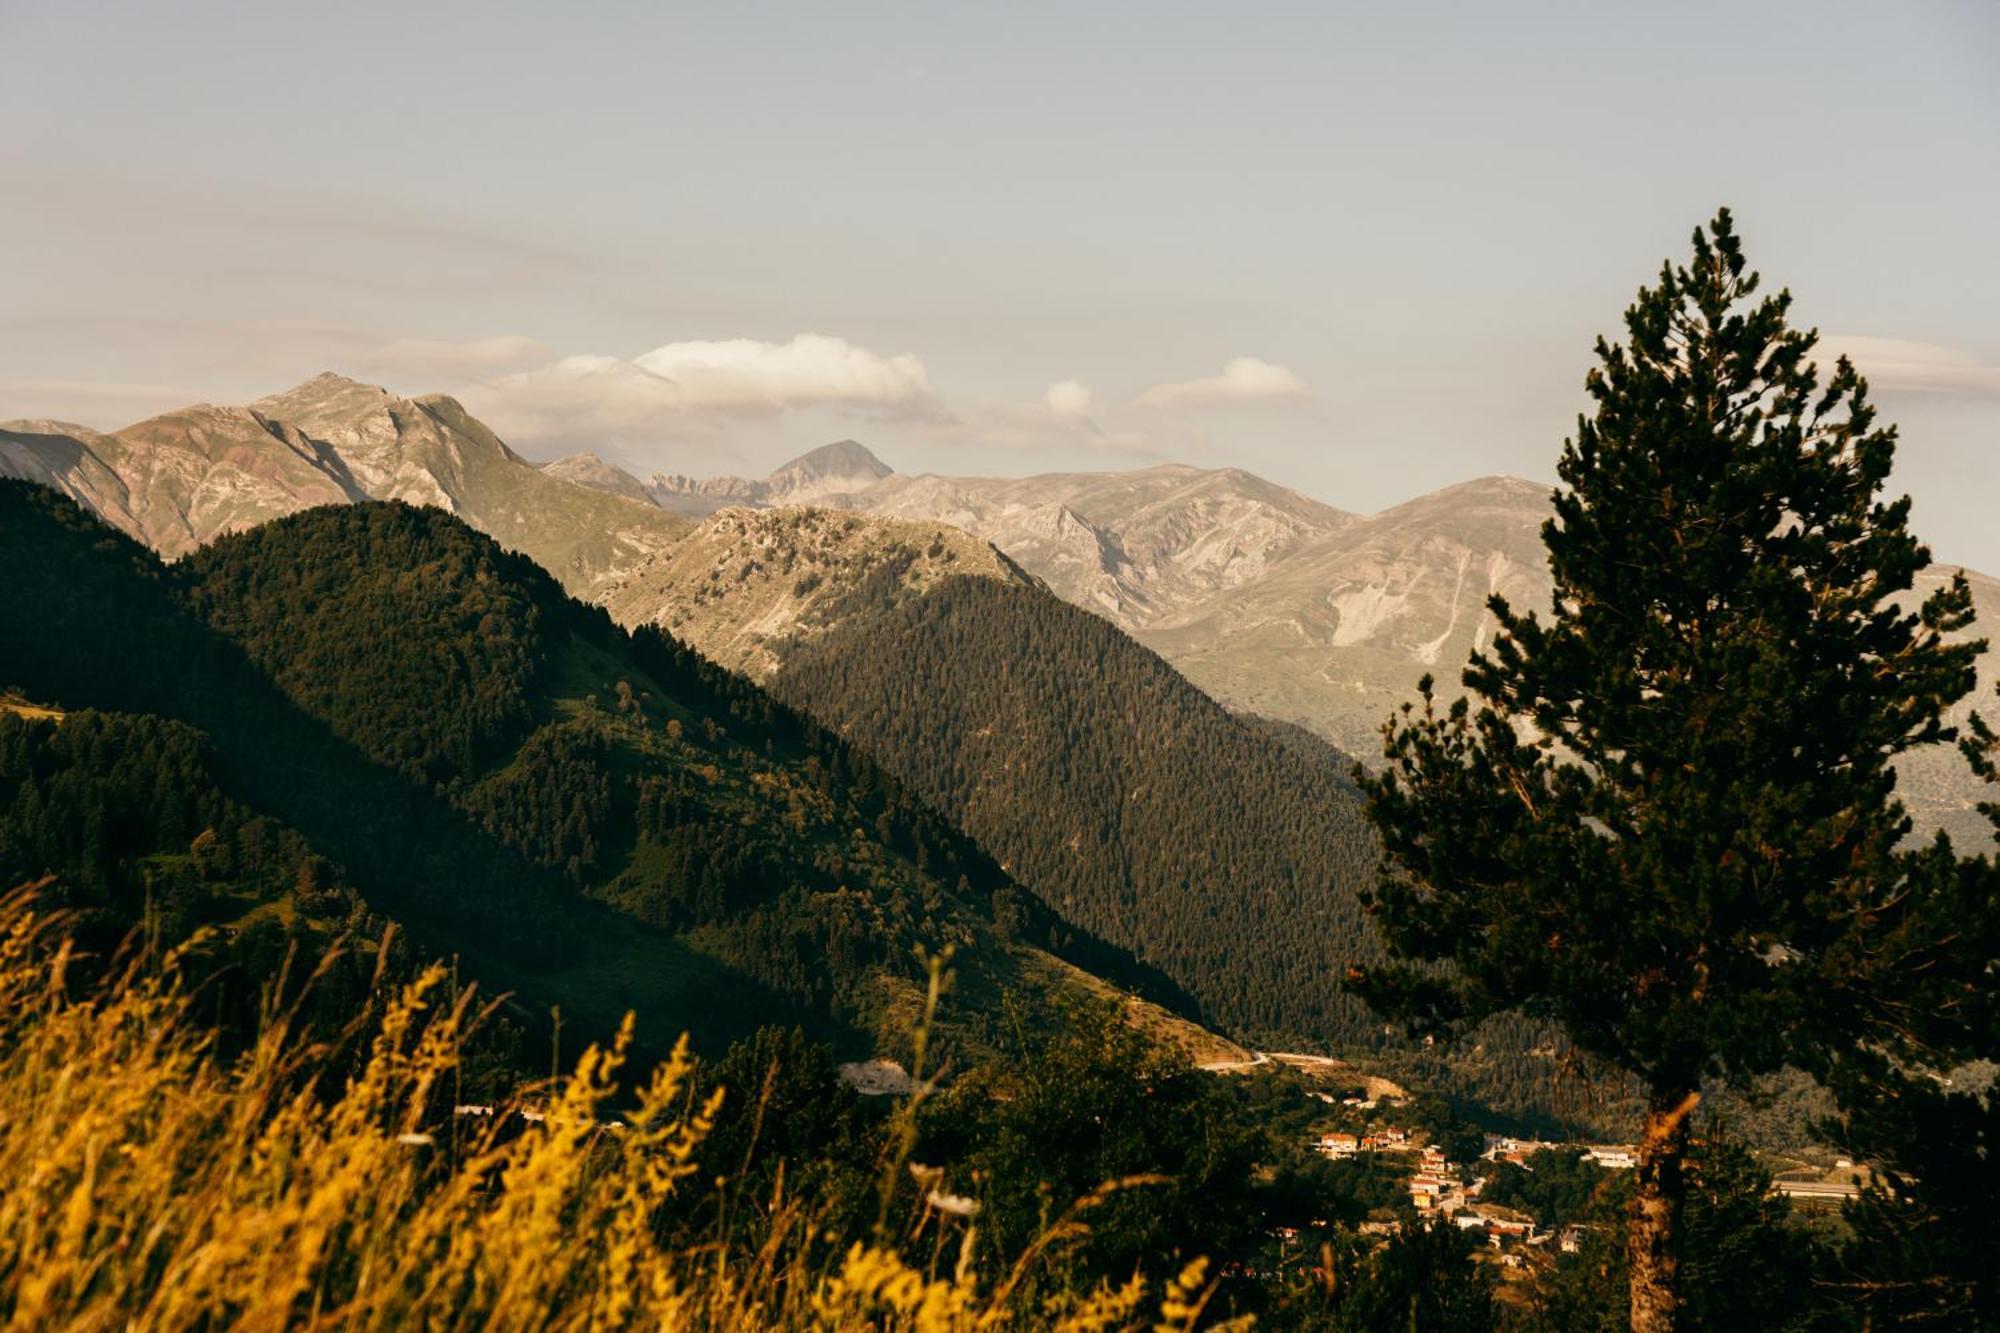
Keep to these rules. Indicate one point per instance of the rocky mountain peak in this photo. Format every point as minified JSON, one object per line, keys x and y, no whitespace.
{"x":587,"y":469}
{"x":46,"y":426}
{"x":326,"y":395}
{"x":843,"y":459}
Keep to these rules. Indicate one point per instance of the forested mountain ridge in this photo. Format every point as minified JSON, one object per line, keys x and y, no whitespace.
{"x":1228,"y":853}
{"x":594,"y":817}
{"x":1133,"y":803}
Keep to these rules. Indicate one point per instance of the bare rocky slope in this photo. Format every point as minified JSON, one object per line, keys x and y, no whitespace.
{"x":747,"y":585}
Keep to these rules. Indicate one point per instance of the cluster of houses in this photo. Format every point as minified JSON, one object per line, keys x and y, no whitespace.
{"x":1439,"y":1191}
{"x":1435,"y":1189}
{"x":1338,"y":1143}
{"x":1438,"y":1188}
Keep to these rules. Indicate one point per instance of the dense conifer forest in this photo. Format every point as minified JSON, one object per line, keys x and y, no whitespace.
{"x":1223,"y":852}
{"x":375,"y":705}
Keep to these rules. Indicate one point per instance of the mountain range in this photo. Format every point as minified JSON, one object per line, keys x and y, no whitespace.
{"x":999,"y":646}
{"x":1273,"y":603}
{"x":751,"y":588}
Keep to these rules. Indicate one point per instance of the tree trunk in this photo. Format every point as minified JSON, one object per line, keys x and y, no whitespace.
{"x":1653,"y":1240}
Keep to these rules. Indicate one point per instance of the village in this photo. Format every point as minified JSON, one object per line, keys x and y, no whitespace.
{"x":1441,"y":1191}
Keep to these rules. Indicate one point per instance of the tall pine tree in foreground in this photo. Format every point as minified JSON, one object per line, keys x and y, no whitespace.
{"x":1669,"y":821}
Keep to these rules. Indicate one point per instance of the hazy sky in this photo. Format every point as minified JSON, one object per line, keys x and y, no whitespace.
{"x":1362,"y":250}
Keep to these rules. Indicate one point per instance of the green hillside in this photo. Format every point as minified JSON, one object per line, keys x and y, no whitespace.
{"x":426,"y":727}
{"x":1216,"y":849}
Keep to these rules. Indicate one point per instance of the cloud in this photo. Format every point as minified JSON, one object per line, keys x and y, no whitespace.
{"x":1244,"y":380}
{"x":1068,"y":398}
{"x":1894,"y":363}
{"x":742,"y":374}
{"x":690,"y":387}
{"x":433,"y":358}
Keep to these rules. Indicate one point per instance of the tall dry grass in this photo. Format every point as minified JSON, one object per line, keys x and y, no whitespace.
{"x":147,"y":1183}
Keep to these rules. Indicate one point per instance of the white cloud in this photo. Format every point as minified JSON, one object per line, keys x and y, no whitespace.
{"x":1244,"y":380}
{"x":595,"y":399}
{"x":1068,"y":398}
{"x":690,"y":386}
{"x":742,"y":374}
{"x":1894,"y":363}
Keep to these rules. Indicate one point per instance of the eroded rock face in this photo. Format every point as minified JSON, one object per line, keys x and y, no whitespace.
{"x":1337,"y":633}
{"x":587,"y":469}
{"x":1139,"y":547}
{"x":177,"y":480}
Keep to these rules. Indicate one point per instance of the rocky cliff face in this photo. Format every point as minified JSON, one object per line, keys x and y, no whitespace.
{"x":176,"y":480}
{"x":1137,"y":547}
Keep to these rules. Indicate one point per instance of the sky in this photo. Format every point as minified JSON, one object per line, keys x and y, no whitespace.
{"x":1362,"y":250}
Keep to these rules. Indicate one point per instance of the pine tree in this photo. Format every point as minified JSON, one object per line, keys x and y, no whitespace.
{"x":1669,"y":823}
{"x":1918,"y":1104}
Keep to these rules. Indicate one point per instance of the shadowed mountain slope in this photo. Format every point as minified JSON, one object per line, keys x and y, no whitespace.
{"x":1130,"y":801}
{"x":592,"y":817}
